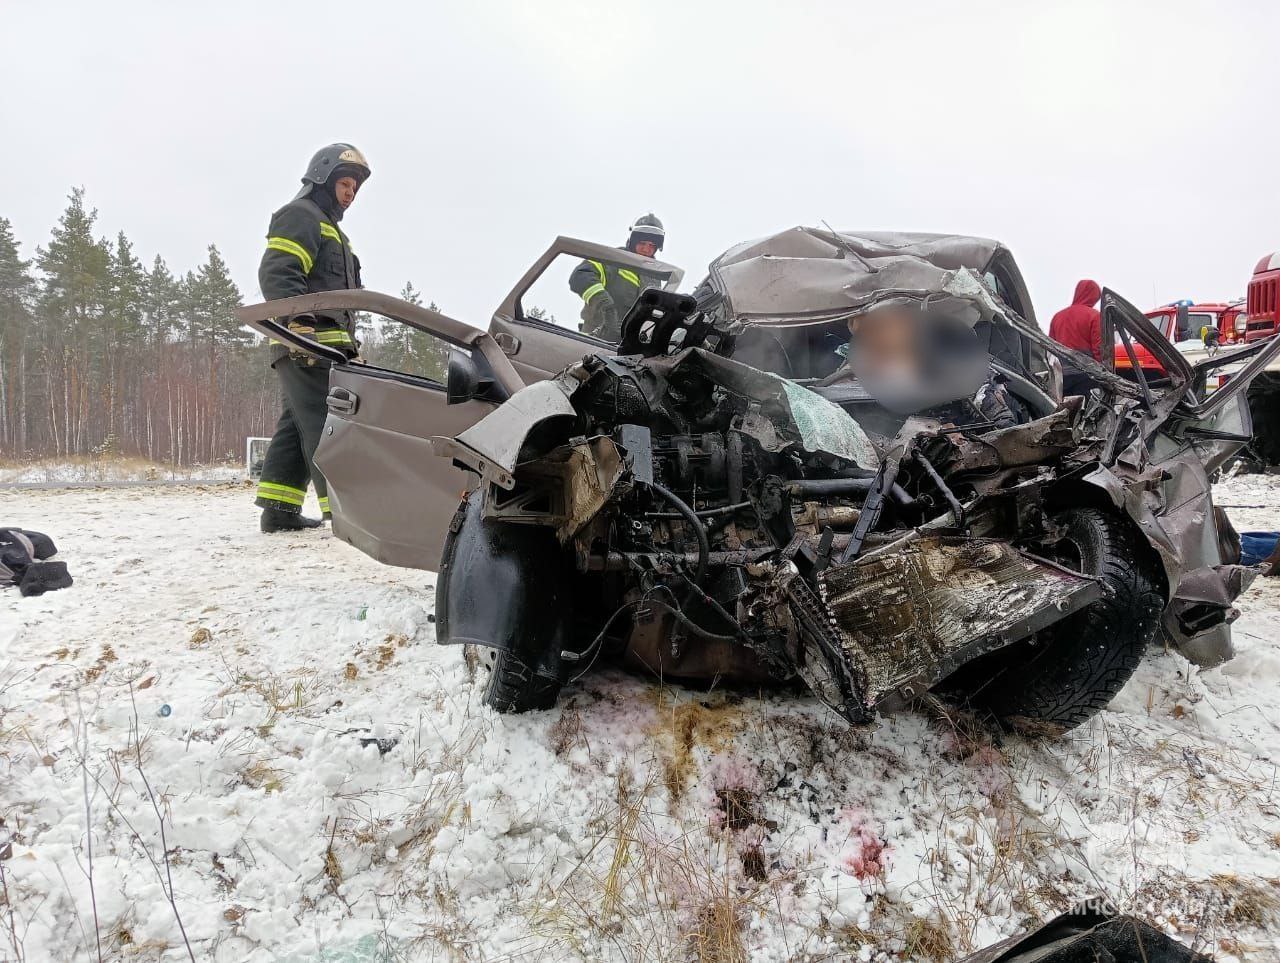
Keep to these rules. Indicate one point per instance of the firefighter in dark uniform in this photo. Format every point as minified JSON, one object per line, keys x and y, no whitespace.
{"x":308,"y":252}
{"x":608,"y":290}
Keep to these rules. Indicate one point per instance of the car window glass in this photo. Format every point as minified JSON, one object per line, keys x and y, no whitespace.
{"x":1163,"y":323}
{"x":1197,"y":321}
{"x":586,"y":295}
{"x":385,"y":343}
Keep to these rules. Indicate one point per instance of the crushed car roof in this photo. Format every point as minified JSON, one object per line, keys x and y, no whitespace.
{"x":807,"y":274}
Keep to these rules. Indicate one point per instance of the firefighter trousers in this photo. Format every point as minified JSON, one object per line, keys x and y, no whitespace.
{"x":290,"y":461}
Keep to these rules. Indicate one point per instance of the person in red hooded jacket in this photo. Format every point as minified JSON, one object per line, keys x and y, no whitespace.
{"x":1079,"y":327}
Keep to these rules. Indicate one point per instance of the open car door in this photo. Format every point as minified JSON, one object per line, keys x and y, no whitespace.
{"x":539,"y":323}
{"x":390,"y":495}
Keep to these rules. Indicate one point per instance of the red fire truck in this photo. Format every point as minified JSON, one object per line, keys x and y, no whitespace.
{"x":1262,"y":320}
{"x":1186,"y":321}
{"x":1263,"y":301}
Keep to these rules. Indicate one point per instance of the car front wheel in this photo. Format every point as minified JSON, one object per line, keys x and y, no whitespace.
{"x":509,"y":684}
{"x":1072,"y":670}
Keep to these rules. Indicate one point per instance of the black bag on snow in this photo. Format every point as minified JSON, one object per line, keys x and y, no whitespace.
{"x":22,"y":562}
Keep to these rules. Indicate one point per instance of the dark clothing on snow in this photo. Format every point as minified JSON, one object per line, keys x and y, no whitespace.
{"x":1080,"y":326}
{"x":23,"y":562}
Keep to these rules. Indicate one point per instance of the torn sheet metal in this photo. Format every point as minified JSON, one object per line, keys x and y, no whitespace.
{"x":492,"y":446}
{"x":810,"y":274}
{"x":822,"y":661}
{"x":565,"y":488}
{"x":911,"y":617}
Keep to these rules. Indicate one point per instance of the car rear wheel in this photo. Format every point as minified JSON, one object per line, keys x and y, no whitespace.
{"x":1072,"y":670}
{"x":509,"y":684}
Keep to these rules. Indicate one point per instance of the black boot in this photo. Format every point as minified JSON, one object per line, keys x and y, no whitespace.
{"x":274,"y":520}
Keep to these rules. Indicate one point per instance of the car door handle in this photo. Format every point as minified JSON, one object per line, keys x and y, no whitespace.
{"x":342,"y":401}
{"x":509,"y":343}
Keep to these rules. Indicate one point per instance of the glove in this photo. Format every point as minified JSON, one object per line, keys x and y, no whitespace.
{"x":305,"y":325}
{"x":601,"y":317}
{"x":302,"y":324}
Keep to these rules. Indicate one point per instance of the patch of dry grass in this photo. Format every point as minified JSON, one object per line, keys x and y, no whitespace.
{"x":93,"y":468}
{"x":278,"y":694}
{"x":929,"y":939}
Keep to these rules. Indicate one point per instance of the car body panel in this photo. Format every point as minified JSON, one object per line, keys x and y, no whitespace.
{"x":808,"y":276}
{"x":831,"y":275}
{"x":539,"y":349}
{"x":390,"y":496}
{"x":1216,"y":316}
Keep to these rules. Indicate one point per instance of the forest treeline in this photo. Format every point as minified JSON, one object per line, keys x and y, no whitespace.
{"x":101,"y":354}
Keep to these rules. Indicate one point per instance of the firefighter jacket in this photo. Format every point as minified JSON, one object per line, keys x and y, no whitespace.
{"x":590,"y":278}
{"x":307,"y":252}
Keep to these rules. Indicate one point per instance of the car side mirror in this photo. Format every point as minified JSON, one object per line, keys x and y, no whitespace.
{"x":1182,"y":329}
{"x":470,"y":379}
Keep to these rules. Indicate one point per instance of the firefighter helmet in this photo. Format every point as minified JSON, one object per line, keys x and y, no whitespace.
{"x":646,"y":228}
{"x":335,"y":157}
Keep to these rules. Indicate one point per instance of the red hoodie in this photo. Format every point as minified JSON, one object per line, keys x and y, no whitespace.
{"x":1080,"y":326}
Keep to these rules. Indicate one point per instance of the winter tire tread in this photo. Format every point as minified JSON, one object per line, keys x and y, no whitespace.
{"x":514,"y":687}
{"x":1079,"y":665}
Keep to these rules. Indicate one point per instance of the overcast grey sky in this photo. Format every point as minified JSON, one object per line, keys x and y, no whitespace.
{"x":1136,"y":143}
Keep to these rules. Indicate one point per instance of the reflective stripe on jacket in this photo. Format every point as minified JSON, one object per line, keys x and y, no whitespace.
{"x":623,"y":284}
{"x":307,"y":253}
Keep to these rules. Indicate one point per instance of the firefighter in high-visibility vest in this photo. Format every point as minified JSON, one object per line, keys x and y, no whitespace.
{"x":308,"y":252}
{"x":609,"y":290}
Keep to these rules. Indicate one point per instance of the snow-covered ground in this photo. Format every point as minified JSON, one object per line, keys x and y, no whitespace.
{"x":87,"y":470}
{"x":228,"y":687}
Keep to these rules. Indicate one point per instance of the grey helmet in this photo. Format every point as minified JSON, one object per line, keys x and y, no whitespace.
{"x":646,"y":228}
{"x":328,"y":159}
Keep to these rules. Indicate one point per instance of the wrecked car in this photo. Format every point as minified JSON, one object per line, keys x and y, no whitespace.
{"x":1084,"y":935}
{"x":845,"y":462}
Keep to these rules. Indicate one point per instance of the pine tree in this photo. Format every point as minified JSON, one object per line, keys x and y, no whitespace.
{"x":404,"y":348}
{"x":188,"y":309}
{"x":434,"y":354}
{"x":99,"y":355}
{"x":77,"y":270}
{"x":121,"y":335}
{"x":126,"y":304}
{"x":410,"y":294}
{"x":216,"y":346}
{"x":17,"y":295}
{"x":162,"y":303}
{"x":214,"y":300}
{"x":17,"y":287}
{"x":402,"y":339}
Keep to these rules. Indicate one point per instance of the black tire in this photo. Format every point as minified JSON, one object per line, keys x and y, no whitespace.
{"x":1073,"y":670}
{"x":511,"y":686}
